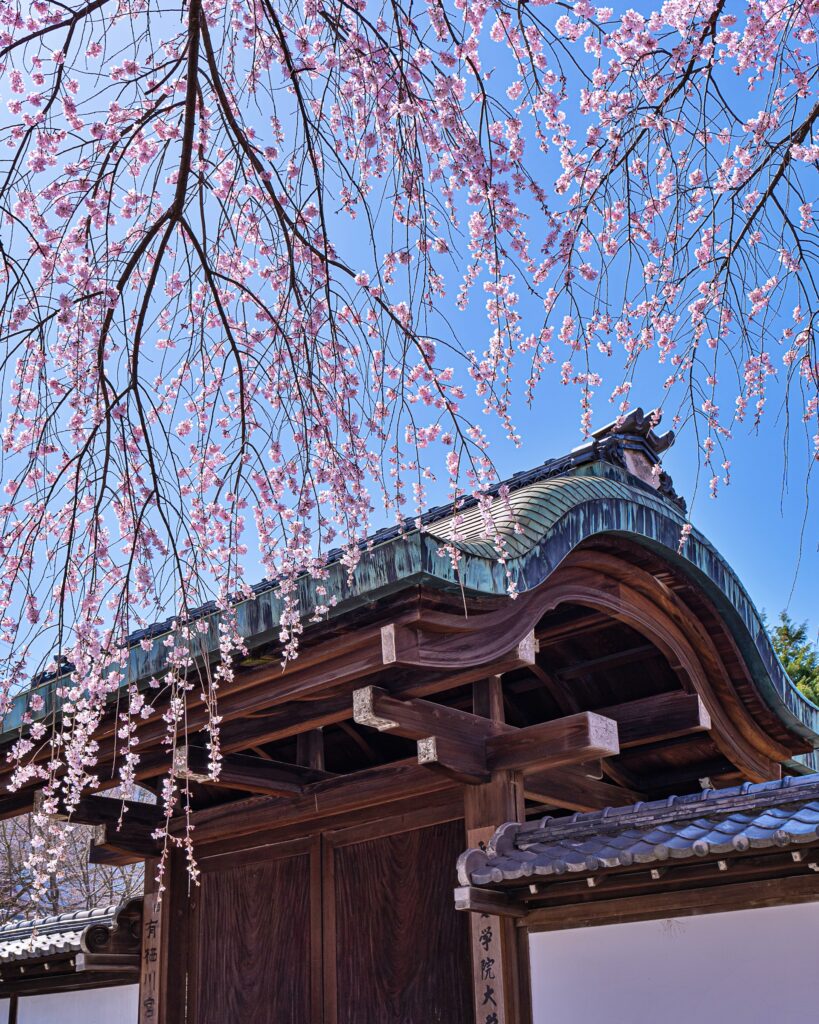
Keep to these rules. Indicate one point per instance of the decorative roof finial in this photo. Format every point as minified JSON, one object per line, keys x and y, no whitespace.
{"x":633,"y":443}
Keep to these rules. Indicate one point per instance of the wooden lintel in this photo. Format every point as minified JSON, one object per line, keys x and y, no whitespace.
{"x":485,"y":901}
{"x":461,"y":760}
{"x":416,"y":719}
{"x":661,"y":717}
{"x":246,"y":772}
{"x":561,"y":741}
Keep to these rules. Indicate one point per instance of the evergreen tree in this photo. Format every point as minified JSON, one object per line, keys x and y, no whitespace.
{"x":798,"y":654}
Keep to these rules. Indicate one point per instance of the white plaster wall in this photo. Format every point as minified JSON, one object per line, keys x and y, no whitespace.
{"x":749,"y":966}
{"x":97,"y":1006}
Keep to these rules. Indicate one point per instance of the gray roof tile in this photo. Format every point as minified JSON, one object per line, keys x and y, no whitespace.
{"x":49,"y":936}
{"x":715,"y":822}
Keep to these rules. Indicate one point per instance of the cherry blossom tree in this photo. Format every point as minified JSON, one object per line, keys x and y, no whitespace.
{"x":239,"y":244}
{"x":74,"y":884}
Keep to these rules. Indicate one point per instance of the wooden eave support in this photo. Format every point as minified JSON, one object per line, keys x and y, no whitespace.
{"x":339,"y":794}
{"x":487,"y":901}
{"x":126,"y":845}
{"x":106,"y":810}
{"x":252,"y":714}
{"x":572,"y":788}
{"x":105,"y":963}
{"x":246,"y":772}
{"x":441,"y":641}
{"x":661,"y":717}
{"x":469,"y":748}
{"x":416,"y":719}
{"x":563,"y":741}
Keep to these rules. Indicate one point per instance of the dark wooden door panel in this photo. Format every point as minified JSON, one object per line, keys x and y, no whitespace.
{"x":253,"y":959}
{"x":401,"y":950}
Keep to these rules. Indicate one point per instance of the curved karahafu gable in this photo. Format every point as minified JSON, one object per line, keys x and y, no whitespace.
{"x":600,"y":527}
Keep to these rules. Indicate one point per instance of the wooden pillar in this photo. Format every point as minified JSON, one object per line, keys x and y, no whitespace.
{"x":498,"y":948}
{"x":12,"y":1015}
{"x":164,"y":958}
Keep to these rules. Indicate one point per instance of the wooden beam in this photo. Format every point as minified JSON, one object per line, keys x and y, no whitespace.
{"x":106,"y":810}
{"x":460,"y":759}
{"x":469,"y":747}
{"x":339,"y":794}
{"x":246,"y":772}
{"x":607,"y":661}
{"x":486,"y":901}
{"x":416,"y":719}
{"x":485,"y":637}
{"x":18,"y":802}
{"x":102,"y":855}
{"x":573,"y":790}
{"x":125,"y":963}
{"x":660,"y":717}
{"x":712,"y":899}
{"x":129,"y":843}
{"x":552,"y":744}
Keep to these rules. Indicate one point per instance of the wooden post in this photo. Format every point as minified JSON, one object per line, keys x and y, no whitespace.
{"x":499,"y":973}
{"x":151,"y":957}
{"x":163,"y":970}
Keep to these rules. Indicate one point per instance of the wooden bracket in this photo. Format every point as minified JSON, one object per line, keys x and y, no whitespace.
{"x":487,"y":901}
{"x":470,"y":747}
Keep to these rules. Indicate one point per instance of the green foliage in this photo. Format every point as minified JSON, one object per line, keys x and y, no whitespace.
{"x":798,"y":654}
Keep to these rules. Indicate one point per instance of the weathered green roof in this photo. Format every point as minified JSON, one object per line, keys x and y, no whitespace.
{"x":548,"y":512}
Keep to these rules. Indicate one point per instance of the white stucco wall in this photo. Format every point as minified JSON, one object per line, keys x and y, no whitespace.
{"x":97,"y":1006}
{"x":750,"y":966}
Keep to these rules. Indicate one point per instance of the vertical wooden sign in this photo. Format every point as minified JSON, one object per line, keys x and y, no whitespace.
{"x":487,"y":956}
{"x":149,"y":975}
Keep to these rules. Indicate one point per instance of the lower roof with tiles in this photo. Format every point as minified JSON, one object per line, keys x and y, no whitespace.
{"x":767,"y":816}
{"x":50,"y":936}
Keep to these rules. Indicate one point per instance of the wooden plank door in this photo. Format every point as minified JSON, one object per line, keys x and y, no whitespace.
{"x":396,"y":951}
{"x":254,"y":958}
